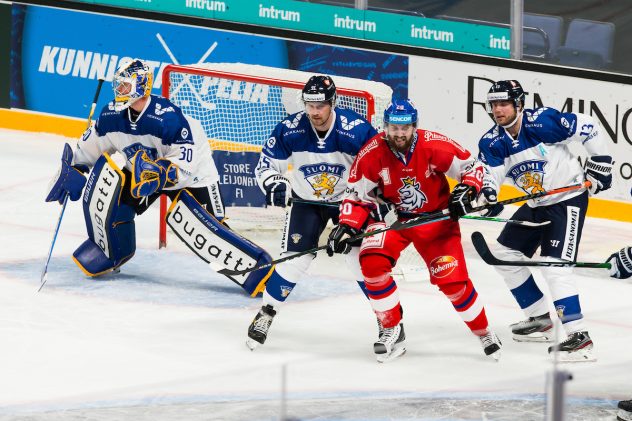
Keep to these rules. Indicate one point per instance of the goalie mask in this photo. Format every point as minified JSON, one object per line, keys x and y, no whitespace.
{"x":132,"y":81}
{"x":319,"y":89}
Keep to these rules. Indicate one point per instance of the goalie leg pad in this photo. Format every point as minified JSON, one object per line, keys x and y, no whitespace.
{"x":213,"y":242}
{"x":110,"y":223}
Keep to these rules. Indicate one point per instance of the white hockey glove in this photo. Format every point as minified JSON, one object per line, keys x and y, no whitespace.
{"x":68,"y":180}
{"x":489,"y":196}
{"x":277,"y":190}
{"x":621,"y":263}
{"x":599,"y":173}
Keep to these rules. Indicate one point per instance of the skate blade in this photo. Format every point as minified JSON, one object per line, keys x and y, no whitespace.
{"x":385,"y":358}
{"x":252,"y":344}
{"x":583,"y":355}
{"x":533,"y":337}
{"x":624,"y":415}
{"x":495,"y":355}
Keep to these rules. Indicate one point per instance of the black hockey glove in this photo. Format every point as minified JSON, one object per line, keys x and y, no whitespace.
{"x":599,"y":173}
{"x":621,"y":263}
{"x":385,"y":212}
{"x":460,"y":202}
{"x":277,"y":190}
{"x":337,"y":241}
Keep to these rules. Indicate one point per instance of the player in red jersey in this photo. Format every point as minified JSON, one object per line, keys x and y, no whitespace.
{"x":408,"y":166}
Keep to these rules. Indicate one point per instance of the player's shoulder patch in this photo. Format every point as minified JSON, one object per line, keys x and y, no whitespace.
{"x":293,"y":120}
{"x":434,"y":139}
{"x":349,"y":119}
{"x":368,"y":147}
{"x":533,"y":115}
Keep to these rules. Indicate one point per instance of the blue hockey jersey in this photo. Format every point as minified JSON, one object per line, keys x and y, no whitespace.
{"x":539,"y":158}
{"x":320,"y":167}
{"x":162,"y":130}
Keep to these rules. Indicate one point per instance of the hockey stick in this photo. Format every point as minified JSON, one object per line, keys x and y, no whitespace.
{"x":414,"y":215}
{"x":411,"y":222}
{"x":44,"y":276}
{"x":399,"y":225}
{"x":483,"y":250}
{"x":229,"y":272}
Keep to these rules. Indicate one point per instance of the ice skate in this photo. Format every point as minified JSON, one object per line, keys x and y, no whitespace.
{"x":625,"y":411}
{"x":491,"y":345}
{"x":534,"y":329}
{"x":577,"y":347}
{"x":380,"y":328}
{"x":258,"y":329}
{"x":391,"y":344}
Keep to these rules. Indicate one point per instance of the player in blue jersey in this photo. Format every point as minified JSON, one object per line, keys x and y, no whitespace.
{"x":165,"y":151}
{"x":320,"y":143}
{"x":531,"y":149}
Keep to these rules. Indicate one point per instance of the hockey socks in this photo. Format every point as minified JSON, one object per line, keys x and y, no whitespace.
{"x":465,"y":300}
{"x":277,"y":289}
{"x":381,"y":289}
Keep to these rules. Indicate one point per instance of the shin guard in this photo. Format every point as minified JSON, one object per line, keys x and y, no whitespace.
{"x":215,"y":243}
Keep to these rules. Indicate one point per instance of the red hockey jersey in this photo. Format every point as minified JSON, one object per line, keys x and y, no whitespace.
{"x":416,"y":181}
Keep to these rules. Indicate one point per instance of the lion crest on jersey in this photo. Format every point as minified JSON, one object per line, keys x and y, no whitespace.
{"x":529,"y":176}
{"x":410,"y":195}
{"x":323,"y":178}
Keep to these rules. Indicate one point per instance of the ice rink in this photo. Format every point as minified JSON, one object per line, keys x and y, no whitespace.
{"x":164,"y":339}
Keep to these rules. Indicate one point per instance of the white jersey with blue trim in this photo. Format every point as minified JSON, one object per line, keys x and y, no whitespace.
{"x":320,"y":166}
{"x":162,"y":130}
{"x":539,"y":158}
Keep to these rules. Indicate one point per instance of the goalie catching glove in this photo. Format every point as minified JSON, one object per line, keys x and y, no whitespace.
{"x":599,"y":173}
{"x":68,"y":180}
{"x":149,"y":177}
{"x":337,"y":241}
{"x":277,"y":190}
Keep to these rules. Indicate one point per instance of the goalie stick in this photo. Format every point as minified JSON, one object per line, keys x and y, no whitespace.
{"x":486,"y":254}
{"x":44,"y":276}
{"x":399,"y":225}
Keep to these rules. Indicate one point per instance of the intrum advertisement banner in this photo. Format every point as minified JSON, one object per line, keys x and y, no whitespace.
{"x":346,"y":22}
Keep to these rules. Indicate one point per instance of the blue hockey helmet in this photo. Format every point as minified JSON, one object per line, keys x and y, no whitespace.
{"x":401,"y":111}
{"x":506,"y":90}
{"x":132,"y":80}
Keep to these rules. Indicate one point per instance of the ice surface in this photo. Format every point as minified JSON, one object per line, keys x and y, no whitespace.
{"x":164,"y":339}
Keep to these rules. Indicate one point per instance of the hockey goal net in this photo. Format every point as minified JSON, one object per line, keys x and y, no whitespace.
{"x":239,"y":105}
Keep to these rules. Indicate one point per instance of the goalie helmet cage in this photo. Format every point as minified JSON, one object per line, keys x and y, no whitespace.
{"x":239,"y":105}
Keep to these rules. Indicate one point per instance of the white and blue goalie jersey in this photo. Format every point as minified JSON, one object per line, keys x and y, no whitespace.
{"x":539,"y":159}
{"x":320,"y":167}
{"x":162,"y":130}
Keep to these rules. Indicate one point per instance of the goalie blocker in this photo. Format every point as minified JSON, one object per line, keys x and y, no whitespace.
{"x":217,"y":245}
